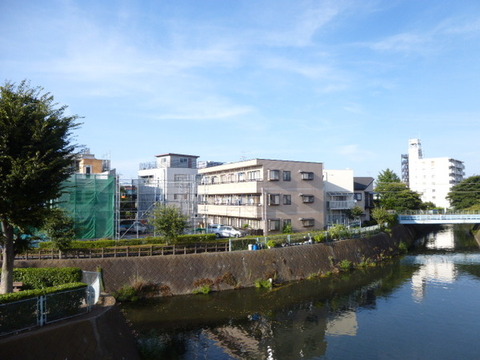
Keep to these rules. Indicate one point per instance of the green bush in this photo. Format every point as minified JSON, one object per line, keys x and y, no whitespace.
{"x":154,"y":240}
{"x":346,"y":265}
{"x":40,"y":278}
{"x":127,"y":294}
{"x":320,"y":237}
{"x":266,"y":284}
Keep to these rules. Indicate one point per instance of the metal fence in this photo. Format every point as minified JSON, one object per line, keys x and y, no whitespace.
{"x":45,"y":309}
{"x":233,"y":244}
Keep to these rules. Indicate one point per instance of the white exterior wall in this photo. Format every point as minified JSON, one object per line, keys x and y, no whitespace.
{"x":169,"y":185}
{"x":339,"y":195}
{"x":432,"y":178}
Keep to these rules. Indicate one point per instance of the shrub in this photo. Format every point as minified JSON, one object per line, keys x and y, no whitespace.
{"x":403,"y":247}
{"x":272,"y":243}
{"x":138,"y":289}
{"x":346,"y":265}
{"x":267,"y":284}
{"x":126,"y":294}
{"x":40,"y":278}
{"x":203,"y":286}
{"x":320,"y":237}
{"x":154,"y":240}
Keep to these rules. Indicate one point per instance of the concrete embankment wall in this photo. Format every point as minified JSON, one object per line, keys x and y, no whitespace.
{"x":182,"y":274}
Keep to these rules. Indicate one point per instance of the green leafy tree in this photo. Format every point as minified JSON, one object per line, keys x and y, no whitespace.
{"x":429,"y":206}
{"x":383,"y":216}
{"x":465,"y":195}
{"x":59,"y":227}
{"x":355,"y":213}
{"x":395,"y":195}
{"x":36,"y":156}
{"x":169,"y":221}
{"x":387,"y":176}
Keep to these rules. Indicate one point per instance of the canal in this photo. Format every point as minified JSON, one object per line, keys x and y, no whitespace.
{"x":424,"y":305}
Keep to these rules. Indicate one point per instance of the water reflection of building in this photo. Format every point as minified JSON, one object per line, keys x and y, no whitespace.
{"x":437,"y":269}
{"x":441,"y":240}
{"x":289,"y":335}
{"x":343,"y":324}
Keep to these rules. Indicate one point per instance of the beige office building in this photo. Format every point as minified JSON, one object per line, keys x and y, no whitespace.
{"x":265,"y":195}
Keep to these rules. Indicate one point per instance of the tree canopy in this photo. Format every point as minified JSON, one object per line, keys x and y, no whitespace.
{"x":169,"y":221}
{"x":36,"y":156}
{"x":395,"y":195}
{"x":387,"y":176}
{"x":466,"y":194}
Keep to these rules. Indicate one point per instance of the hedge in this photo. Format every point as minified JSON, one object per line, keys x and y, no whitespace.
{"x":28,"y":294}
{"x":104,"y":243}
{"x":41,"y":278}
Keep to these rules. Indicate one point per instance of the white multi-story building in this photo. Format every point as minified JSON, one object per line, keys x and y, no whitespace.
{"x":432,"y":178}
{"x":343,"y":192}
{"x":339,"y":195}
{"x":265,"y":195}
{"x":170,"y":180}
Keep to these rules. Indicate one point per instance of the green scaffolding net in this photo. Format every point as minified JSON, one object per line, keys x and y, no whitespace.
{"x":90,"y":200}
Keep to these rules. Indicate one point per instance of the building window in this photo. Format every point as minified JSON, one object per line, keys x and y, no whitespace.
{"x":307,"y":222}
{"x":287,"y":223}
{"x":358,"y":196}
{"x":308,"y":198}
{"x":88,"y":169}
{"x":273,"y":199}
{"x":241,"y":176}
{"x":273,"y":175}
{"x":274,"y":225}
{"x":287,"y":199}
{"x":180,"y":177}
{"x":287,"y":176}
{"x":253,"y":175}
{"x":307,"y":175}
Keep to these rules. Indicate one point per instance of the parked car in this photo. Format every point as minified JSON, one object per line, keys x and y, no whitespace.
{"x":213,"y":229}
{"x":133,"y":227}
{"x":229,"y":231}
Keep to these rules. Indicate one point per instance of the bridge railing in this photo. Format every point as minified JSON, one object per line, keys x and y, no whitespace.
{"x":439,"y":217}
{"x":440,"y":212}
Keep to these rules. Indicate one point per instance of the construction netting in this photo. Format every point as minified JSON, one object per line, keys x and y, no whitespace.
{"x":90,"y":200}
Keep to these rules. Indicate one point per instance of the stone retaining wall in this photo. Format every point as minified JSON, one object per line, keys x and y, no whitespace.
{"x":182,"y":274}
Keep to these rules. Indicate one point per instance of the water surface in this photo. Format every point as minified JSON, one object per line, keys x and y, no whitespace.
{"x":422,"y":306}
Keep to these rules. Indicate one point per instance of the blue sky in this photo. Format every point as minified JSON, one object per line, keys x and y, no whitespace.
{"x":343,"y":82}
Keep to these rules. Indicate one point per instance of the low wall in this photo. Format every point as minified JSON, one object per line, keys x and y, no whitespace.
{"x":102,"y":334}
{"x":182,"y":274}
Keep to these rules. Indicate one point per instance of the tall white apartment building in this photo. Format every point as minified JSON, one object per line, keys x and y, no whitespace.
{"x":431,"y":177}
{"x":170,"y":180}
{"x":265,"y":195}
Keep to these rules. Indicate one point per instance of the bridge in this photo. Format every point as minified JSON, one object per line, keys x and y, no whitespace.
{"x":440,"y":217}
